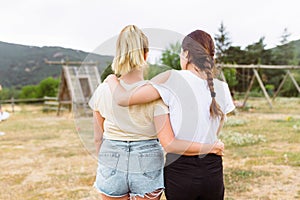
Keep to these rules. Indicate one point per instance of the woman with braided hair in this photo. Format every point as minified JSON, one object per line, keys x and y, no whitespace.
{"x":198,"y":104}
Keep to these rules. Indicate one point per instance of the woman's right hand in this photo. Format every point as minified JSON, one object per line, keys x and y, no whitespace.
{"x":218,"y":148}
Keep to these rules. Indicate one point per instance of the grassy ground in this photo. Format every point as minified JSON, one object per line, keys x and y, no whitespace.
{"x":42,"y":156}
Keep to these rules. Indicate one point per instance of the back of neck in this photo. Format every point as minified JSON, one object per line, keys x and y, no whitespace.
{"x":133,"y":76}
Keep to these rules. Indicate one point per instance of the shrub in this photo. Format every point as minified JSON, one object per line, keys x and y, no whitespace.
{"x":29,"y":91}
{"x":48,"y":87}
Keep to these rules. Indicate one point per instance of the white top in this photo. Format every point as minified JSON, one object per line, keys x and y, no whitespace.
{"x":189,"y":99}
{"x":131,"y":123}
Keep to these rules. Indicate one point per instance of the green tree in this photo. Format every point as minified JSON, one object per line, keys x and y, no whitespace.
{"x":29,"y":92}
{"x":48,"y":87}
{"x":285,"y":36}
{"x":231,"y":78}
{"x":170,"y":57}
{"x":255,"y":52}
{"x":234,"y":55}
{"x":223,"y":43}
{"x":284,"y":54}
{"x":8,"y":93}
{"x":107,"y":71}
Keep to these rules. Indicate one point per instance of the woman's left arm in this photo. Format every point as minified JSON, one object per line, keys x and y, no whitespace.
{"x":173,"y":145}
{"x":98,"y":130}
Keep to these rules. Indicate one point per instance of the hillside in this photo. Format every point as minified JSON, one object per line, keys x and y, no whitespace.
{"x":23,"y":65}
{"x":296,"y":44}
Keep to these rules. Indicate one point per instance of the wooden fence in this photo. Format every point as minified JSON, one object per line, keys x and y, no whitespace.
{"x":49,"y":103}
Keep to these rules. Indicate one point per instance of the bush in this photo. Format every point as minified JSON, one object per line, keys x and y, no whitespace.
{"x":230,"y":76}
{"x":29,"y":91}
{"x":6,"y":93}
{"x":48,"y":87}
{"x":170,"y":57}
{"x":270,"y":89}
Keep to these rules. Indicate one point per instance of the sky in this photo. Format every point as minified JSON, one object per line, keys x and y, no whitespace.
{"x":86,"y":24}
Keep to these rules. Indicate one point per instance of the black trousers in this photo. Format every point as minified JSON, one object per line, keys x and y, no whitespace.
{"x":194,"y":177}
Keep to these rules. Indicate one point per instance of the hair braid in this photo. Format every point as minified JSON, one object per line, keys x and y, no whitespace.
{"x":215,"y":109}
{"x":201,"y":49}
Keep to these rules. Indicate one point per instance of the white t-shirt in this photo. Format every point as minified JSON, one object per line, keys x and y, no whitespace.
{"x":131,"y":123}
{"x":189,"y":99}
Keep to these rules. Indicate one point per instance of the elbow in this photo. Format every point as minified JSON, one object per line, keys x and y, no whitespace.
{"x":169,"y":147}
{"x":170,"y":150}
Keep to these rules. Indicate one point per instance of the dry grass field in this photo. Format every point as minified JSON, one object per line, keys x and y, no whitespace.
{"x":42,"y":156}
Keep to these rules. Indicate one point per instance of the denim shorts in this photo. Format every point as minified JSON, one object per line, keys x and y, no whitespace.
{"x":129,"y":167}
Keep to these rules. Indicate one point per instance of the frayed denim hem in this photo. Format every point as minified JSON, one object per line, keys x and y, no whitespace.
{"x":150,"y":195}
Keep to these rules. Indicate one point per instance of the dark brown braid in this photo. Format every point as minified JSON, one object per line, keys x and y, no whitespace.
{"x":201,"y":50}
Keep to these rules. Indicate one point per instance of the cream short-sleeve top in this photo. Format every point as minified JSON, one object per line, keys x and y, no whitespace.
{"x":131,"y":123}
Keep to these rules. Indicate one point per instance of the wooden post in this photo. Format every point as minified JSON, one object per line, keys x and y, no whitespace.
{"x":288,"y":73}
{"x":262,"y":87}
{"x":13,"y":104}
{"x":58,"y":109}
{"x":280,"y":86}
{"x":248,"y":90}
{"x":223,"y":76}
{"x":294,"y":81}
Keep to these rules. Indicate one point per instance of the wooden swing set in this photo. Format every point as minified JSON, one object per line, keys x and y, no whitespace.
{"x":78,"y":81}
{"x":256,"y":75}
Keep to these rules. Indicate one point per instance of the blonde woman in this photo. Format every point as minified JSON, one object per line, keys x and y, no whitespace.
{"x":130,"y":158}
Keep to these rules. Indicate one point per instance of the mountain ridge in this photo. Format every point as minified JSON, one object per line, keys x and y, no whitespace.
{"x":26,"y":65}
{"x":22,"y":65}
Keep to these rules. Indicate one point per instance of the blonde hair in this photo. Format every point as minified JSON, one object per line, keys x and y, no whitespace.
{"x":131,"y":47}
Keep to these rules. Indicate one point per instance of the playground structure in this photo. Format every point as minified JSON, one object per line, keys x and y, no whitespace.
{"x":255,"y":69}
{"x":77,"y":85}
{"x":78,"y":81}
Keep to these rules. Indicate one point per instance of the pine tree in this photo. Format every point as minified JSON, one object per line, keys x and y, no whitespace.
{"x":222,"y":43}
{"x":285,"y":52}
{"x":285,"y":36}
